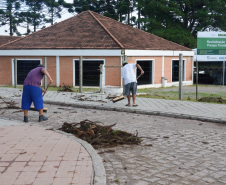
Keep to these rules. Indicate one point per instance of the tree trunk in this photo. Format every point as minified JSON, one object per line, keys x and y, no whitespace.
{"x":10,"y":22}
{"x":128,"y":13}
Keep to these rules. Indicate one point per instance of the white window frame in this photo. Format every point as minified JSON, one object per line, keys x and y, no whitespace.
{"x":184,"y":72}
{"x":73,"y":63}
{"x":12,"y":62}
{"x":153,"y":70}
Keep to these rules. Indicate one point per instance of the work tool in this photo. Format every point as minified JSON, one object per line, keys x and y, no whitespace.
{"x":121,"y":96}
{"x":44,"y":109}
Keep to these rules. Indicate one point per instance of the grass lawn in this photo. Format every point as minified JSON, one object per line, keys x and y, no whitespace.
{"x":188,"y":92}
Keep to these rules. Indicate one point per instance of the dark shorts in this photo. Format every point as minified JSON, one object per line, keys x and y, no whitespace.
{"x":31,"y":94}
{"x":130,"y":87}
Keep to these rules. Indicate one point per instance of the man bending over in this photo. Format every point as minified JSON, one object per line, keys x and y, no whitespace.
{"x":33,"y":93}
{"x":130,"y":81}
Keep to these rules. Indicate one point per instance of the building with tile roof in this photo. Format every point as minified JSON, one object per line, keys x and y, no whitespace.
{"x":4,"y":39}
{"x":99,"y":40}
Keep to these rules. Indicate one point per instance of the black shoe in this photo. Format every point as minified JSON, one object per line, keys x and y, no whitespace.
{"x":25,"y":119}
{"x":42,"y":118}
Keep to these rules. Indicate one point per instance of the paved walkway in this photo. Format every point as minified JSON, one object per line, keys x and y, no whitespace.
{"x":171,"y":108}
{"x":18,"y":138}
{"x":34,"y":155}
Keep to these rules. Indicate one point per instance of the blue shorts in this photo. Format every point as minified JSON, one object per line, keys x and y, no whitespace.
{"x":31,"y":94}
{"x":130,"y":87}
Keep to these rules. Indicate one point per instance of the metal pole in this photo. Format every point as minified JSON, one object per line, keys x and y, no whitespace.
{"x":45,"y":77}
{"x":197,"y":74}
{"x":223,"y":71}
{"x":103,"y":78}
{"x":15,"y":72}
{"x":80,"y":74}
{"x":180,"y":75}
{"x":125,"y":57}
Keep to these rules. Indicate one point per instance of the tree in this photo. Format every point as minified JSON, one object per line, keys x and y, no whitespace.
{"x":109,"y":9}
{"x":9,"y":15}
{"x":54,"y":9}
{"x":35,"y":13}
{"x":171,"y":19}
{"x":124,"y":8}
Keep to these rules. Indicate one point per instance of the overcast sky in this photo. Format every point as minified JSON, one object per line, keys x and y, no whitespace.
{"x":22,"y":30}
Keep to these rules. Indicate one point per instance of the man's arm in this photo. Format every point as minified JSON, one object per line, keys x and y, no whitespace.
{"x":138,"y":66}
{"x":44,"y":71}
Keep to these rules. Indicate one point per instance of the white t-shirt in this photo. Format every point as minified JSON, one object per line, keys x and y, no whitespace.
{"x":128,"y":73}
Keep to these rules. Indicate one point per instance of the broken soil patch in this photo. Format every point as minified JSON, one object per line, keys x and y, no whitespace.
{"x":212,"y":99}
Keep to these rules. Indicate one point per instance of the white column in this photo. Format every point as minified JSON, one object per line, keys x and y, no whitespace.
{"x":12,"y":72}
{"x":57,"y":71}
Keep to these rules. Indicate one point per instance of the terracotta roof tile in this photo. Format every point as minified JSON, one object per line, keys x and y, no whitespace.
{"x":90,"y":30}
{"x":4,"y":39}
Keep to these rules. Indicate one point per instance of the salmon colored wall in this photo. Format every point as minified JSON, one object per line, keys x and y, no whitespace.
{"x":6,"y":68}
{"x":66,"y":70}
{"x":168,"y":67}
{"x":112,"y":74}
{"x":189,"y":68}
{"x":5,"y":71}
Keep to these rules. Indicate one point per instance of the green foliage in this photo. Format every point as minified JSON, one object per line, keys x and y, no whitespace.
{"x":9,"y":15}
{"x":179,"y":21}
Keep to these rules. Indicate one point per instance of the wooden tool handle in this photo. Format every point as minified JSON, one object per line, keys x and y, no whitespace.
{"x":139,"y":76}
{"x":46,"y":89}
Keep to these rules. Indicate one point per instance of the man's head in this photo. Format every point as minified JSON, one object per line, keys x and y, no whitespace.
{"x":124,"y":63}
{"x":40,"y":65}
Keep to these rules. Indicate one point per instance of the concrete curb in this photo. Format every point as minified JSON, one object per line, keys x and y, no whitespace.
{"x":98,"y":167}
{"x":138,"y":111}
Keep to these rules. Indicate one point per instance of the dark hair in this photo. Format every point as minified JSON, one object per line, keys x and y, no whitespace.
{"x":124,"y":64}
{"x":40,"y":65}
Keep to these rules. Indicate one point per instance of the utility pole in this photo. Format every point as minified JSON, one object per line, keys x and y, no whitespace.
{"x":180,"y":75}
{"x":80,"y":74}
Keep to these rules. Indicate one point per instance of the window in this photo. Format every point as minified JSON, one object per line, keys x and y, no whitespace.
{"x":175,"y":71}
{"x":145,"y":79}
{"x":23,"y":68}
{"x":91,"y":74}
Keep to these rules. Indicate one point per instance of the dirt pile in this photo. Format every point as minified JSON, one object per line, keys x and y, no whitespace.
{"x":100,"y":136}
{"x":212,"y":99}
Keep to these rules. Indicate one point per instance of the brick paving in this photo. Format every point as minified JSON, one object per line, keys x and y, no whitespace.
{"x":174,"y":151}
{"x":34,"y":155}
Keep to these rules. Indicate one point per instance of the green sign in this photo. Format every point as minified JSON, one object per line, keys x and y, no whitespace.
{"x":211,"y":46}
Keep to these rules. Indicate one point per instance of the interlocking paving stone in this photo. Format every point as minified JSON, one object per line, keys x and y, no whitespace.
{"x":182,"y":152}
{"x":34,"y":155}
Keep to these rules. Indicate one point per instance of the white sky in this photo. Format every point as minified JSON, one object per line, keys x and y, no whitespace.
{"x":23,"y":30}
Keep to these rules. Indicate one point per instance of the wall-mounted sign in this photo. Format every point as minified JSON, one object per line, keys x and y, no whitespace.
{"x":211,"y":46}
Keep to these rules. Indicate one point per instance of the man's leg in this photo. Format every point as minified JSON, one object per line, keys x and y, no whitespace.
{"x":128,"y":97}
{"x":26,"y":102}
{"x":40,"y":112}
{"x":25,"y":112}
{"x":134,"y":92}
{"x":38,"y":102}
{"x":134,"y":98}
{"x":41,"y":117}
{"x":25,"y":116}
{"x":127,"y":93}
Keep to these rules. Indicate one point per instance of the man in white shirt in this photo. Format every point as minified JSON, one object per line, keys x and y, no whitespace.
{"x":130,"y":81}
